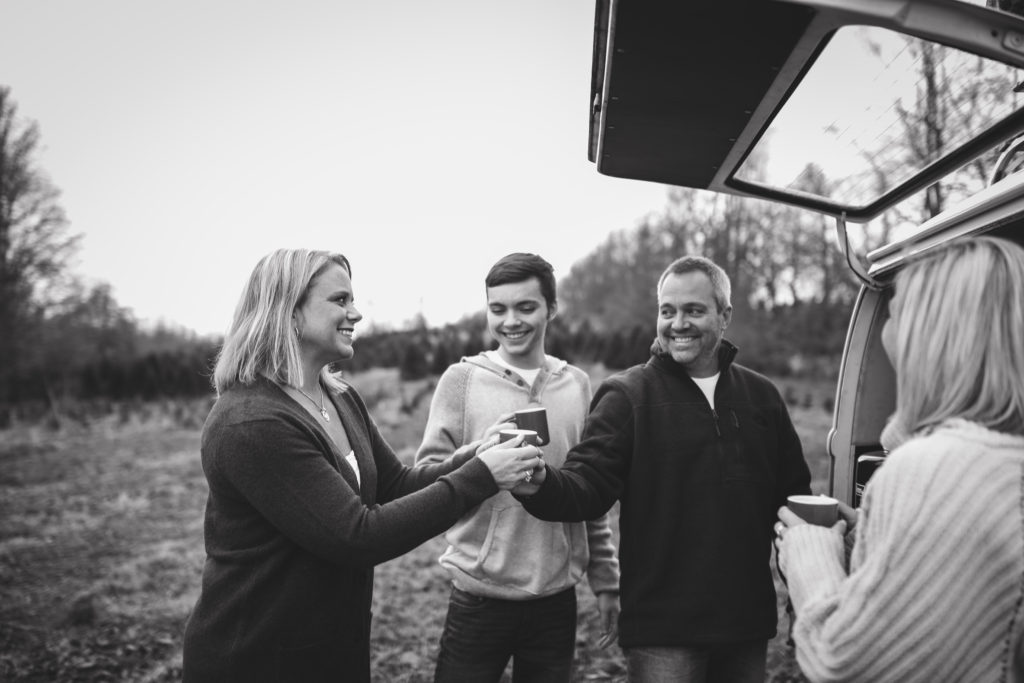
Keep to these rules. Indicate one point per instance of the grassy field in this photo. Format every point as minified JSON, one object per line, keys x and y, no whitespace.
{"x":101,"y":547}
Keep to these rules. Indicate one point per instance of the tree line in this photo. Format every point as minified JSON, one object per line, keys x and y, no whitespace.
{"x":64,"y":339}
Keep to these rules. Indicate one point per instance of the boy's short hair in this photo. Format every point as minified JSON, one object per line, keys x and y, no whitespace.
{"x":519,"y":267}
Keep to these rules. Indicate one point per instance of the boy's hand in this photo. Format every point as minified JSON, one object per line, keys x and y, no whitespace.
{"x":490,"y":437}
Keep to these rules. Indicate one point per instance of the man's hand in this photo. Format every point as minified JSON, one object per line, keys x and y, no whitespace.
{"x":608,"y":608}
{"x":537,"y":477}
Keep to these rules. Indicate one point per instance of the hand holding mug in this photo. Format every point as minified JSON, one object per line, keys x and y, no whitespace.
{"x":804,"y":509}
{"x":490,"y":435}
{"x":849,"y":515}
{"x":512,"y":462}
{"x":531,"y":486}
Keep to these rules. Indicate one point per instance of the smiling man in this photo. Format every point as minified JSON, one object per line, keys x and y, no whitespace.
{"x":513,"y":575}
{"x":701,"y":452}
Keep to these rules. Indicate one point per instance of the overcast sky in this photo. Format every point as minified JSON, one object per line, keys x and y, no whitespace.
{"x":424,"y":140}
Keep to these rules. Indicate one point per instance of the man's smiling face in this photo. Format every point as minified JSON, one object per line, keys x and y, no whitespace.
{"x":690,"y":326}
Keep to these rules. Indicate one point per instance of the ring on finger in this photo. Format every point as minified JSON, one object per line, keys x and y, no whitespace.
{"x":529,"y":476}
{"x":779,"y":528}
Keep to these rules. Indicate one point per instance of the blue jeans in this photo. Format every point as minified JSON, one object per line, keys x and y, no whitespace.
{"x":724,"y":663}
{"x":481,"y":634}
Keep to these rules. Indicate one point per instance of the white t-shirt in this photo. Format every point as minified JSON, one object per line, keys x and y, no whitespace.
{"x":528,"y":375}
{"x":351,"y":460}
{"x":707,"y":385}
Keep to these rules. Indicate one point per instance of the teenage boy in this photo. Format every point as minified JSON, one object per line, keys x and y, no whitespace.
{"x":513,"y":575}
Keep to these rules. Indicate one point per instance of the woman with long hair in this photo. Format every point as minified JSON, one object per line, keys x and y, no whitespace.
{"x":934,"y":587}
{"x":305,"y":495}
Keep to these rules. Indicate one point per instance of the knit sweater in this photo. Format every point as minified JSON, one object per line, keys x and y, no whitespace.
{"x":292,"y":538}
{"x":936,"y":580}
{"x":698,"y":490}
{"x":498,"y":549}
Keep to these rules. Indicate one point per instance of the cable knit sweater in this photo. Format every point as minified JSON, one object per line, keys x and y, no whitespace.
{"x":498,"y":549}
{"x":936,"y":579}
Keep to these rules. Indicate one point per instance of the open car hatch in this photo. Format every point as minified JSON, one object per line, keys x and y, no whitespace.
{"x":801,"y":102}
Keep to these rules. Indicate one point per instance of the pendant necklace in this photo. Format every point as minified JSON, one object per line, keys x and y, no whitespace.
{"x":323,"y":407}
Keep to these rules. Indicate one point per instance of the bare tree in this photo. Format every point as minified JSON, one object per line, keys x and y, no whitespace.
{"x":35,"y":241}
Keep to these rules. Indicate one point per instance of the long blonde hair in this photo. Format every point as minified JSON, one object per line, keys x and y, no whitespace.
{"x":262,"y":338}
{"x":959,"y":316}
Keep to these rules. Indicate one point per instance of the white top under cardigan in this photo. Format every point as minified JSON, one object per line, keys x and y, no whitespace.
{"x":936,"y":580}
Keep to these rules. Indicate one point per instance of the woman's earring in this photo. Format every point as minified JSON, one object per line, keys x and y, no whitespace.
{"x":298,"y":335}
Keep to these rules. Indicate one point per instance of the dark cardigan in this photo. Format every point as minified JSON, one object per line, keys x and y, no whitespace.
{"x":291,"y":540}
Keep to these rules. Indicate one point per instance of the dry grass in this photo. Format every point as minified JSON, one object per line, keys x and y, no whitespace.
{"x":101,"y":550}
{"x":100,"y":547}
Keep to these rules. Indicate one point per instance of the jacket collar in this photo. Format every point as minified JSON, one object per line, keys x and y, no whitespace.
{"x":662,"y":359}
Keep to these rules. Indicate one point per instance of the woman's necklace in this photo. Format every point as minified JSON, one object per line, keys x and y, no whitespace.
{"x":323,"y":406}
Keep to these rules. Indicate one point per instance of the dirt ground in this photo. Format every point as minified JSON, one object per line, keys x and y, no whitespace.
{"x":101,"y":553}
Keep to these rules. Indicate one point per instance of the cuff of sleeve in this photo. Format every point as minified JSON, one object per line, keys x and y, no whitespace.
{"x":812,"y":560}
{"x":603,"y":578}
{"x":536,"y":502}
{"x":482,"y":481}
{"x":464,"y":454}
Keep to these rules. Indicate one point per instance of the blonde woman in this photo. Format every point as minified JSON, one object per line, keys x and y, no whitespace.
{"x":935,"y":585}
{"x":305,"y":495}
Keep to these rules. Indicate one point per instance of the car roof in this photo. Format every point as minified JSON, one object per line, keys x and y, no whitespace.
{"x":689,"y":93}
{"x":997,"y":210}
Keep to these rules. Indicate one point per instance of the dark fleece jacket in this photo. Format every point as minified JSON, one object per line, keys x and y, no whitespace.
{"x":698,"y":488}
{"x":291,"y":538}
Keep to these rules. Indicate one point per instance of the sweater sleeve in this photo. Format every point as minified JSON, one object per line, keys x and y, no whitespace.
{"x":594,"y":474}
{"x":445,"y":428}
{"x":603,"y":569}
{"x":275,"y":468}
{"x":396,"y":480}
{"x":934,"y":585}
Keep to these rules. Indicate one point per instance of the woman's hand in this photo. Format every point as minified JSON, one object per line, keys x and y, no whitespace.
{"x":789,"y":519}
{"x":849,"y":515}
{"x":511,"y":463}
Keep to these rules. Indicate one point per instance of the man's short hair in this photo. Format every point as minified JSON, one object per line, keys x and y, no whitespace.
{"x":519,"y":267}
{"x":720,"y":284}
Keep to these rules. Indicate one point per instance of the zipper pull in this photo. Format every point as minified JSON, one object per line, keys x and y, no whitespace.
{"x":735,"y":420}
{"x":714,"y":415}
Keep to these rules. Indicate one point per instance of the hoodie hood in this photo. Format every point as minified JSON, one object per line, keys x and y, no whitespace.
{"x":552,"y":365}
